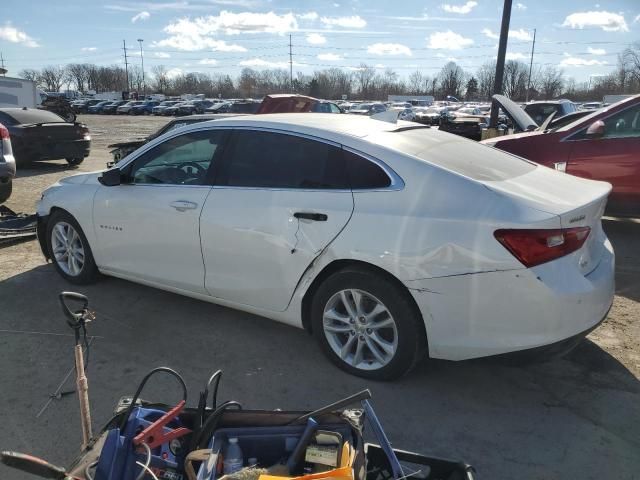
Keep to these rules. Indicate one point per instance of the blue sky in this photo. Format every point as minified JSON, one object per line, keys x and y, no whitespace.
{"x":224,"y":36}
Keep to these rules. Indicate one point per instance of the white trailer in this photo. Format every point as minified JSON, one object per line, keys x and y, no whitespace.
{"x":18,"y":92}
{"x":415,"y":100}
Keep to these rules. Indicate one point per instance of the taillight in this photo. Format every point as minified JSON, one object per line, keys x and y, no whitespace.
{"x":4,"y":133}
{"x":533,"y":247}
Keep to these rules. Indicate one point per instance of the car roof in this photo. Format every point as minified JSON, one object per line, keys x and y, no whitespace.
{"x":317,"y":123}
{"x":27,"y":116}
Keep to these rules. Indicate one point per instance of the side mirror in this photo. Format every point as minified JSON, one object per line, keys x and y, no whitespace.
{"x":596,"y":129}
{"x":111,"y":178}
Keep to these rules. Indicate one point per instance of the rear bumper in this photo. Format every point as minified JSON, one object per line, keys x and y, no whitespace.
{"x":491,"y":313}
{"x":52,"y":151}
{"x":7,"y":167}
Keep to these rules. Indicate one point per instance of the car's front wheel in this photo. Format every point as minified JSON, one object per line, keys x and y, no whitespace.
{"x":69,"y":249}
{"x":6,"y":187}
{"x":74,"y":161}
{"x":367,"y":325}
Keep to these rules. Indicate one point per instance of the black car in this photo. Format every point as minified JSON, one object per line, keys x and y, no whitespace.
{"x":112,"y":107}
{"x":122,"y":149}
{"x":42,"y":135}
{"x":540,"y":111}
{"x":234,"y":107}
{"x":82,"y":106}
{"x":194,"y":106}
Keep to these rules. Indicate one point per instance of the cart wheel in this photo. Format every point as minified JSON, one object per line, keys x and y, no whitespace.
{"x":367,"y":325}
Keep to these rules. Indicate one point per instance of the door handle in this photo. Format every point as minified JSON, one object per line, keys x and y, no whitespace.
{"x":316,"y":217}
{"x":183,"y":205}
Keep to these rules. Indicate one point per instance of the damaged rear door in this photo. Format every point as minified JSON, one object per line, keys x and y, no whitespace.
{"x":278,"y":201}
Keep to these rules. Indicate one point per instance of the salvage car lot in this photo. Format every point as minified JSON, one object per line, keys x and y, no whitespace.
{"x":540,"y":421}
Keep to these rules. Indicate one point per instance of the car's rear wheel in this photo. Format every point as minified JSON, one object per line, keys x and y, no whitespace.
{"x":6,"y":187}
{"x":69,"y":249}
{"x":367,"y":325}
{"x":73,"y":161}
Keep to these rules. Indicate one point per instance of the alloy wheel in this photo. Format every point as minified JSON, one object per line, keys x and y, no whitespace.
{"x":360,"y":329}
{"x":67,"y":248}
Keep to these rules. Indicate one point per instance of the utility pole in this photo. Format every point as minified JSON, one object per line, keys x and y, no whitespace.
{"x":502,"y":52}
{"x":126,"y":65}
{"x":144,"y":85}
{"x":533,"y":48}
{"x":2,"y":69}
{"x":290,"y":65}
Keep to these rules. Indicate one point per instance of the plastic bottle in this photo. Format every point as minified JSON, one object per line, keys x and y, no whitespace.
{"x":233,"y":460}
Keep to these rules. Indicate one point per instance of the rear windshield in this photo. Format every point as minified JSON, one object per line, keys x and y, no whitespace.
{"x":30,"y":116}
{"x":454,"y":153}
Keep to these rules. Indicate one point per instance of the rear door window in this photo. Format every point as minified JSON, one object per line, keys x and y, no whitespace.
{"x":273,"y":160}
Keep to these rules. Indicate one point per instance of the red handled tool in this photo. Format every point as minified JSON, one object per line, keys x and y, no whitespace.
{"x":154,"y":436}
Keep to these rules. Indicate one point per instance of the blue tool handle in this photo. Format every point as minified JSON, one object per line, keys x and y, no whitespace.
{"x":297,"y":456}
{"x":376,"y":426}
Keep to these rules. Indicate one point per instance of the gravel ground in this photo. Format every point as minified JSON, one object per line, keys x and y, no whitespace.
{"x":575,"y":417}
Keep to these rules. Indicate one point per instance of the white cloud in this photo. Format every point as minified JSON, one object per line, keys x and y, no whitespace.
{"x":309,"y":16}
{"x":521,"y":34}
{"x":208,"y":61}
{"x":607,"y":21}
{"x":389,"y":49}
{"x":461,"y":9}
{"x":140,"y":16}
{"x":448,"y":41}
{"x":195,"y":42}
{"x":88,"y":49}
{"x":235,"y":23}
{"x":355,"y":21}
{"x":488,"y":33}
{"x":637,"y":19}
{"x":521,"y":6}
{"x":13,"y":35}
{"x":596,"y":51}
{"x":161,"y":55}
{"x":174,"y":72}
{"x":379,"y":65}
{"x":316,"y":39}
{"x":515,"y":56}
{"x":330,"y":57}
{"x":258,"y":62}
{"x":570,"y":61}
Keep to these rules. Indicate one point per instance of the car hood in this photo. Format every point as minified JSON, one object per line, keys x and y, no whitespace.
{"x":82,"y":178}
{"x":517,"y":114}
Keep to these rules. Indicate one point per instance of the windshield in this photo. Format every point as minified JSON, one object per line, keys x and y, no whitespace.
{"x":456,"y":154}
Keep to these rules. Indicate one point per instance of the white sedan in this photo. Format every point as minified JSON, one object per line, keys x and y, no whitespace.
{"x":387,"y":241}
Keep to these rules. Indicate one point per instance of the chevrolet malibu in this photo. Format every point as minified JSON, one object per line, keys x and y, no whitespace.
{"x":386,"y":241}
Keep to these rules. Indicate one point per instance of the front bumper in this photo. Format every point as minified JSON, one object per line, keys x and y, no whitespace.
{"x":41,"y":231}
{"x":491,"y":313}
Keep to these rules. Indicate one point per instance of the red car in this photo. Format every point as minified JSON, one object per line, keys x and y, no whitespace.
{"x":604,"y":145}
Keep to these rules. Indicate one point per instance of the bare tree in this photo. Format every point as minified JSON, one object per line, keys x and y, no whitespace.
{"x":551,"y":82}
{"x":486,"y":76}
{"x":30,"y":74}
{"x":364,"y":76}
{"x":52,"y":77}
{"x":78,"y":74}
{"x":515,"y":79}
{"x":159,"y":73}
{"x":451,"y":79}
{"x":416,"y":82}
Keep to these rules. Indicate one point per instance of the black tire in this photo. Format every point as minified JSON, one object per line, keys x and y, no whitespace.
{"x":6,"y":187}
{"x":89,"y":271}
{"x":74,"y":161}
{"x":411,"y":338}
